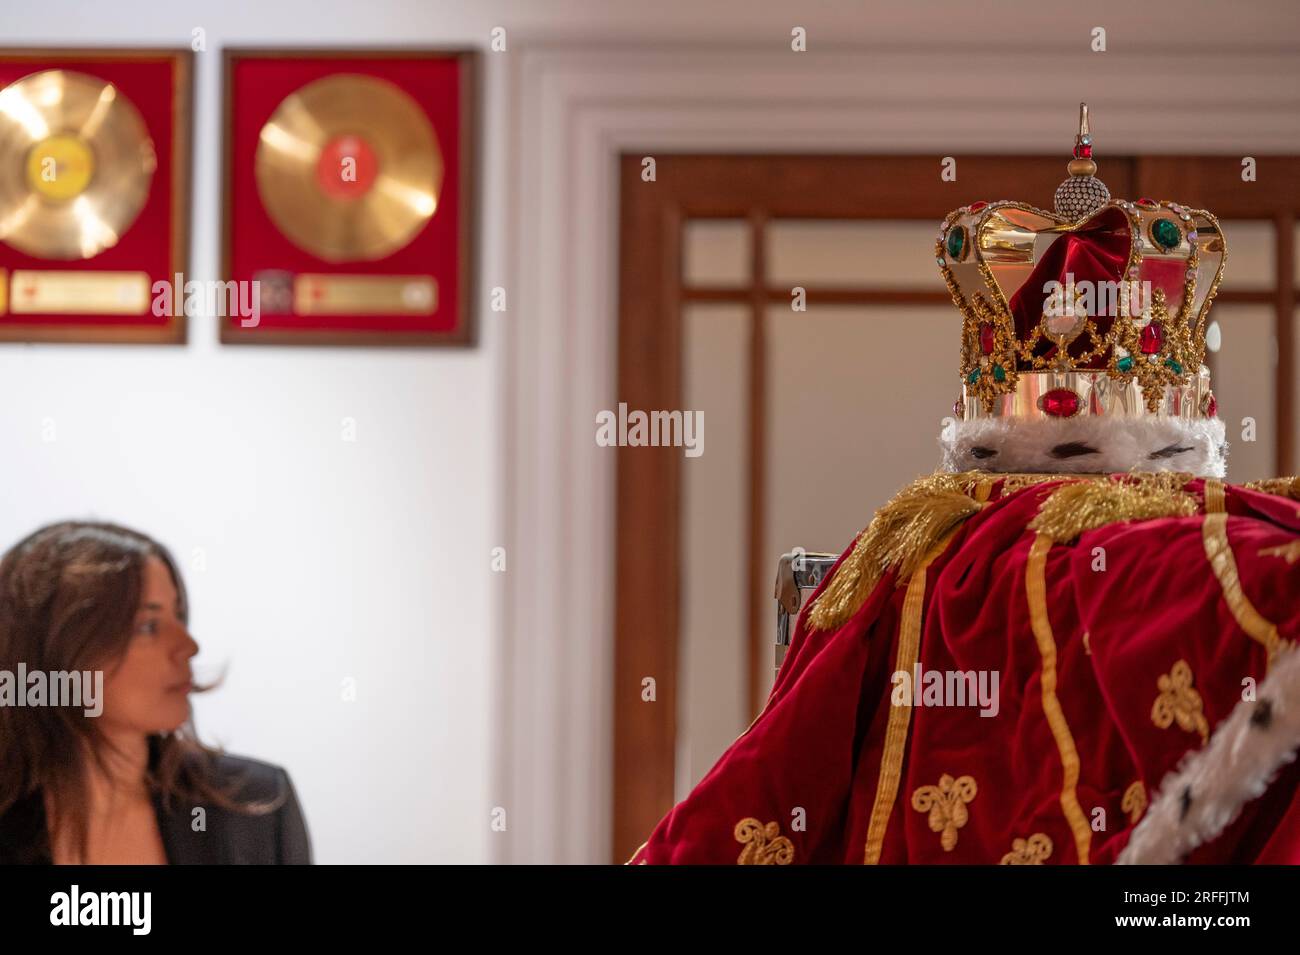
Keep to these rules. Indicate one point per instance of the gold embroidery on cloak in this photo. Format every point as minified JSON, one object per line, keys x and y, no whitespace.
{"x":1288,"y":552}
{"x":1032,"y":851}
{"x":1134,"y":802}
{"x":946,"y":804}
{"x":1179,"y":702}
{"x":764,"y":845}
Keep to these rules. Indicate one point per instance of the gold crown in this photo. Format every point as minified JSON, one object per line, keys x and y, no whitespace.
{"x":1098,"y":308}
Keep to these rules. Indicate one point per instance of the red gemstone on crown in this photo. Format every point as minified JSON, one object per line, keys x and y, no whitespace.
{"x":986,"y":338}
{"x":977,"y":206}
{"x":1152,"y":338}
{"x":1059,"y":403}
{"x":1212,"y":407}
{"x":1149,"y":203}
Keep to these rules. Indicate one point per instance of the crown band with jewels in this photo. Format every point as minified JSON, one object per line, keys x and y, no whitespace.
{"x":1074,"y":394}
{"x":1130,"y":344}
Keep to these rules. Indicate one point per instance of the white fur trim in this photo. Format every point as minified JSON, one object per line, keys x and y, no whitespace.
{"x":1122,"y":444}
{"x":1237,"y":765}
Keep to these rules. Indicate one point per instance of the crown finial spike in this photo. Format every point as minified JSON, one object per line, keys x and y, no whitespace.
{"x":1082,"y":164}
{"x":1081,"y":194}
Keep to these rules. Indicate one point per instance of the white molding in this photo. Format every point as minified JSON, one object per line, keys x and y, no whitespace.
{"x":573,"y":111}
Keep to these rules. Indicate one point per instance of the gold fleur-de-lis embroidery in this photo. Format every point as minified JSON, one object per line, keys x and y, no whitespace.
{"x":1031,"y":851}
{"x":1179,"y":701}
{"x":1288,"y":552}
{"x":946,"y":804}
{"x":1134,"y":802}
{"x":764,"y":845}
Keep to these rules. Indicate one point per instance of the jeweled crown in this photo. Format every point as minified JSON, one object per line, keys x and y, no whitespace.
{"x":1097,"y":308}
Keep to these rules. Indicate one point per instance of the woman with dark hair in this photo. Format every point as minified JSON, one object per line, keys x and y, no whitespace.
{"x":130,"y":783}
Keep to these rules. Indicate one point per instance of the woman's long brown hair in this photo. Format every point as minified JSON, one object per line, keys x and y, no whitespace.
{"x":69,"y":593}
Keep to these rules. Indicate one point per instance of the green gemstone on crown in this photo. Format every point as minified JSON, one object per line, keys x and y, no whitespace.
{"x":1174,"y":366}
{"x":1166,"y":234}
{"x":973,"y":377}
{"x":956,"y":242}
{"x":999,"y":374}
{"x":1125,"y":364}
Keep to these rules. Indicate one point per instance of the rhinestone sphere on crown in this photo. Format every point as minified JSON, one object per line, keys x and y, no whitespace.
{"x":1082,"y":193}
{"x":1098,"y":308}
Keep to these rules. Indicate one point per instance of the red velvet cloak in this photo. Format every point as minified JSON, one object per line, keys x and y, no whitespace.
{"x":1106,"y":677}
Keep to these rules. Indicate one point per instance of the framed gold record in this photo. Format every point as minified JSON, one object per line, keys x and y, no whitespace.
{"x":348,"y":194}
{"x":94,"y":183}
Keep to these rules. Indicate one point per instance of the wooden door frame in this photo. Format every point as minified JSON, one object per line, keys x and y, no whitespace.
{"x":652,"y":291}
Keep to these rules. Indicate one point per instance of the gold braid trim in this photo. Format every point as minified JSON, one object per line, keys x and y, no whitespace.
{"x":900,"y":717}
{"x":1216,"y":497}
{"x":1283,"y":486}
{"x":1036,"y":595}
{"x":1086,"y":505}
{"x":1214,"y":534}
{"x":900,"y":534}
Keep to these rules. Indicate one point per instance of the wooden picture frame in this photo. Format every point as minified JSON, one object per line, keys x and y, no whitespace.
{"x":140,"y":249}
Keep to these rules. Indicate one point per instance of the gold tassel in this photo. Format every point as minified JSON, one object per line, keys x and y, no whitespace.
{"x":1283,"y":486}
{"x":1086,"y":505}
{"x":901,"y":533}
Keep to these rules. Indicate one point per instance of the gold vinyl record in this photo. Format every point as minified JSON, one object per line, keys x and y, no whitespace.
{"x":76,"y":162}
{"x":348,"y":168}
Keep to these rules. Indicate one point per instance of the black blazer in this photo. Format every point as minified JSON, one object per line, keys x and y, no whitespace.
{"x":230,"y":837}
